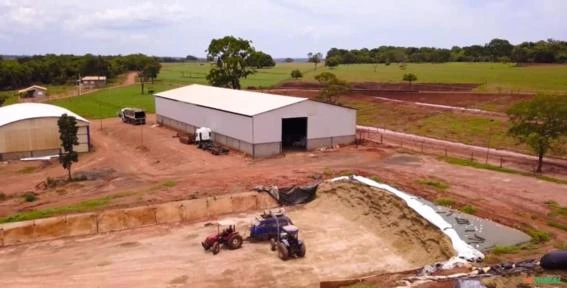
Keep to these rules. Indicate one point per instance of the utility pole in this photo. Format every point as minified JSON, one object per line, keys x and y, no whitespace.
{"x":488,"y":141}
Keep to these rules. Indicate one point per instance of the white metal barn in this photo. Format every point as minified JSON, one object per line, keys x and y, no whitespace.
{"x":258,"y":124}
{"x":30,"y":130}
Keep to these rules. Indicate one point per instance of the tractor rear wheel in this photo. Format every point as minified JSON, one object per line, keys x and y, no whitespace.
{"x":215,"y":248}
{"x":301,"y":251}
{"x":283,"y":252}
{"x":235,"y":241}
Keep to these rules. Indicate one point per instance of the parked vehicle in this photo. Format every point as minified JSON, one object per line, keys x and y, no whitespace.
{"x":265,"y":226}
{"x":229,"y":238}
{"x":133,"y":116}
{"x":288,"y":244}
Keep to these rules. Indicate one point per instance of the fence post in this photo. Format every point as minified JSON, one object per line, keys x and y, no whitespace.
{"x":422,"y":146}
{"x":381,"y":139}
{"x":402,"y":142}
{"x":500,"y":161}
{"x":472,"y":156}
{"x":445,"y":151}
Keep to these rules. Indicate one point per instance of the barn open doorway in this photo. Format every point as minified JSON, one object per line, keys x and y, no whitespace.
{"x":294,"y":133}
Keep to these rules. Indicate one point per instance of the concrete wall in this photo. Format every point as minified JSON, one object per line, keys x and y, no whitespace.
{"x":330,"y":141}
{"x":267,"y":149}
{"x":324,"y":121}
{"x":131,"y":218}
{"x":225,"y":123}
{"x":37,"y":134}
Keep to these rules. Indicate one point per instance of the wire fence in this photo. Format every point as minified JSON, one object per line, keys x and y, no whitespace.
{"x":477,"y":155}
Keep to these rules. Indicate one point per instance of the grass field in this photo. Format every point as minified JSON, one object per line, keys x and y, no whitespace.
{"x":494,"y":77}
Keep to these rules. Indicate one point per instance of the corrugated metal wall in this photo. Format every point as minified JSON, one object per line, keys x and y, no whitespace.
{"x":37,"y":134}
{"x":225,"y":123}
{"x":323,"y":121}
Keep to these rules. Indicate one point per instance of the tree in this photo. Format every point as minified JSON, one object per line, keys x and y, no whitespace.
{"x":296,"y":74}
{"x":229,"y":54}
{"x":332,"y":62}
{"x":333,"y":89}
{"x":259,"y":60}
{"x":541,"y":123}
{"x":68,"y":135}
{"x":191,"y":58}
{"x":288,"y":60}
{"x":314,"y":58}
{"x":410,"y":77}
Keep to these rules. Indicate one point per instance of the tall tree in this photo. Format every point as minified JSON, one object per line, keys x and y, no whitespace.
{"x":68,"y":135}
{"x":229,"y":54}
{"x":410,"y":77}
{"x":314,"y":58}
{"x":332,"y":62}
{"x":288,"y":60}
{"x":259,"y":60}
{"x":540,"y":123}
{"x":333,"y":87}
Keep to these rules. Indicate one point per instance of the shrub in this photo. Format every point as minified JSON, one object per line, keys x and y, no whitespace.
{"x":51,"y":182}
{"x":2,"y":196}
{"x":445,"y":202}
{"x":30,"y":196}
{"x":539,"y":236}
{"x":436,"y":184}
{"x":469,"y":209}
{"x":499,"y":250}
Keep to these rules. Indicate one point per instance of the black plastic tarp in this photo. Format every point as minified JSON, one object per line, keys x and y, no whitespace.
{"x":556,"y":260}
{"x":291,"y":195}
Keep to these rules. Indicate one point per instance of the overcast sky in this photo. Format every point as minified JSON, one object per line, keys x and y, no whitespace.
{"x":281,"y":28}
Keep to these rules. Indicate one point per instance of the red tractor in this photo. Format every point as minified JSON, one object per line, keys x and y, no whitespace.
{"x":229,"y":238}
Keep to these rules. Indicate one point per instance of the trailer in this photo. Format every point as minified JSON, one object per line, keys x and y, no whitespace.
{"x":133,"y":116}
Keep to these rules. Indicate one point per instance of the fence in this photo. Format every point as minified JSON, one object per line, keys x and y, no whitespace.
{"x":123,"y":219}
{"x":481,"y":155}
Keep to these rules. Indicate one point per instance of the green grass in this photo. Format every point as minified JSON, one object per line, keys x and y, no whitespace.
{"x":469,"y":209}
{"x":83,"y":206}
{"x":494,"y":77}
{"x":477,"y":165}
{"x":445,"y":202}
{"x":170,"y":183}
{"x":557,"y":224}
{"x":538,"y":236}
{"x":500,"y":250}
{"x":436,"y":184}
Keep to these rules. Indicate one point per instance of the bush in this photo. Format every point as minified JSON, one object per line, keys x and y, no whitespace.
{"x":436,"y":184}
{"x":30,"y":196}
{"x":445,"y":202}
{"x":2,"y":196}
{"x":296,"y":74}
{"x":51,"y":182}
{"x":469,"y":209}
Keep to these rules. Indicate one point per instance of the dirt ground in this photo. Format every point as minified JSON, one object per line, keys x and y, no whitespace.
{"x":344,"y":238}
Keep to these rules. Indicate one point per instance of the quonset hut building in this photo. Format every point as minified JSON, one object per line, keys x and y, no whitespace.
{"x":30,"y":130}
{"x":258,"y":124}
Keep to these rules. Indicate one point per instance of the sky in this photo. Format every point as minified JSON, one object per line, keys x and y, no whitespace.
{"x":283,"y":28}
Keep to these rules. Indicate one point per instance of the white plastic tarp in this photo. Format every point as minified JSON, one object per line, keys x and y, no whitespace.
{"x":464,"y":250}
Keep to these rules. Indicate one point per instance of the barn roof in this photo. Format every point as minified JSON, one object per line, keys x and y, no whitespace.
{"x":34,"y":87}
{"x":22,"y":111}
{"x":235,"y":101}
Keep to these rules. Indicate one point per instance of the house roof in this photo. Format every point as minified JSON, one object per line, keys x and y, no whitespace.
{"x":242,"y":102}
{"x":33,"y":87}
{"x":22,"y":111}
{"x":93,"y":78}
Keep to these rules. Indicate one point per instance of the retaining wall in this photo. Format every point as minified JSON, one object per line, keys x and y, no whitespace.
{"x":123,"y":219}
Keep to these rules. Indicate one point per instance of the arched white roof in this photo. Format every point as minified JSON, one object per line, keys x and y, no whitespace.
{"x":22,"y":111}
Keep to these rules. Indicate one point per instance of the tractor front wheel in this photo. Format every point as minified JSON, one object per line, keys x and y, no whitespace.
{"x":235,"y":242}
{"x":301,"y":251}
{"x":283,"y":252}
{"x":215,"y":248}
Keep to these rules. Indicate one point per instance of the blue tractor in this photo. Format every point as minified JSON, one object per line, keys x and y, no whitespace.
{"x":288,"y":243}
{"x":266,"y":226}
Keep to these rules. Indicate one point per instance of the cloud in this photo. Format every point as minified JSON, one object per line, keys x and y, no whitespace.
{"x":279,"y":27}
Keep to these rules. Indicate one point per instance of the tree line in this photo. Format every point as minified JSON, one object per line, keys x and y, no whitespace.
{"x":497,"y":50}
{"x":65,"y":69}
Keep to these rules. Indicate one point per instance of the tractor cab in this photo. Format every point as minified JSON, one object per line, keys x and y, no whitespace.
{"x":267,"y":225}
{"x":289,"y":245}
{"x":228,"y":237}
